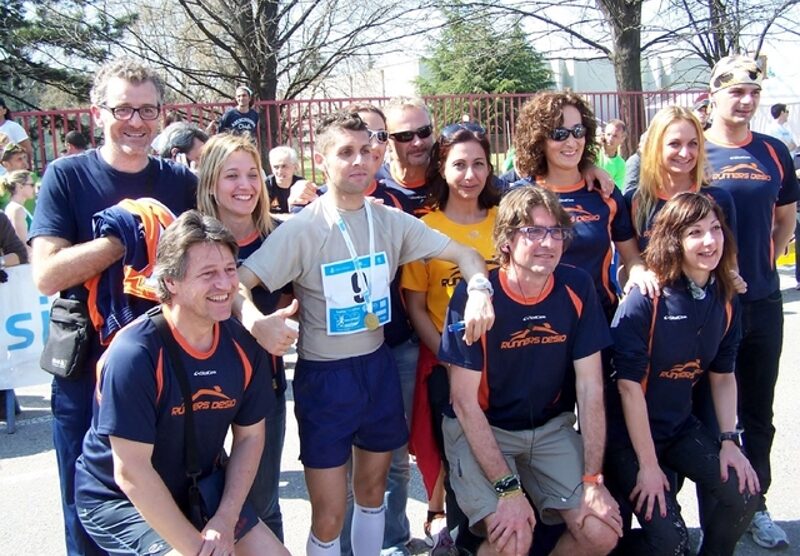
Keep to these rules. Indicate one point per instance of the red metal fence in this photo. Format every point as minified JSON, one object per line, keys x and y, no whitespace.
{"x":291,"y":122}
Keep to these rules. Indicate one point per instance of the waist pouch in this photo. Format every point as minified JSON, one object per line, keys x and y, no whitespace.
{"x":69,"y":339}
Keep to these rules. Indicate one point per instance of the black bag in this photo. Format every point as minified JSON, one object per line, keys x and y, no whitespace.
{"x":69,"y":339}
{"x":205,"y":494}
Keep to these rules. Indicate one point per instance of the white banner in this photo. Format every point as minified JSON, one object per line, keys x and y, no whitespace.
{"x":24,"y":319}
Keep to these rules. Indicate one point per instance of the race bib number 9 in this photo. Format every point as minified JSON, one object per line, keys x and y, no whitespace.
{"x":343,"y":285}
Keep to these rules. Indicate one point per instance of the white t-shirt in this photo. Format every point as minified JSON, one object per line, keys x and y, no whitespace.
{"x":14,"y":131}
{"x":297,"y":250}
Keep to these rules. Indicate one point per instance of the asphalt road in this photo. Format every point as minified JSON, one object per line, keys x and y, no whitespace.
{"x":31,"y":510}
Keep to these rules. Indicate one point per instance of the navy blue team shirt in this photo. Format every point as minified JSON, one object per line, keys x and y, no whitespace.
{"x":139,"y":399}
{"x":666,"y":344}
{"x":759,"y":175}
{"x":526,"y":359}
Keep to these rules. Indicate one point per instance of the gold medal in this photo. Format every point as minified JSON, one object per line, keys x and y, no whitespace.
{"x":371,"y":321}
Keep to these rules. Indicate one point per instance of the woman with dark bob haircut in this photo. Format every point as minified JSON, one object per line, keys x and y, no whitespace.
{"x":464,"y":203}
{"x":555,"y":144}
{"x":662,"y":347}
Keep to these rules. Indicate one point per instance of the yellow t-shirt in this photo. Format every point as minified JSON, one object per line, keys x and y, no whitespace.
{"x":439,"y":278}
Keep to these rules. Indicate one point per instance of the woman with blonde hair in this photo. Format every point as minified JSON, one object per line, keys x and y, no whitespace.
{"x":19,"y":185}
{"x":231,"y":188}
{"x":673,"y":161}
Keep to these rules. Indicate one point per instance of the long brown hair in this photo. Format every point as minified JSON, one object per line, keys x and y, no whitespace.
{"x":439,"y":189}
{"x":664,"y":253}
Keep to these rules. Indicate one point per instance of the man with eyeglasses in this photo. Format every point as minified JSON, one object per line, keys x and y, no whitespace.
{"x":757,"y":170}
{"x":509,"y":429}
{"x":126,"y":103}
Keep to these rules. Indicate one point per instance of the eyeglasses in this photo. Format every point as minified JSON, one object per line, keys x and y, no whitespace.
{"x":538,"y":233}
{"x":381,"y":135}
{"x":405,"y":136}
{"x":147,"y":113}
{"x":726,"y":78}
{"x":562,"y":133}
{"x":452,"y":129}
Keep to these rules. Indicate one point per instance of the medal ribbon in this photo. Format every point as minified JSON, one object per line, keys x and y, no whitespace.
{"x":354,"y":256}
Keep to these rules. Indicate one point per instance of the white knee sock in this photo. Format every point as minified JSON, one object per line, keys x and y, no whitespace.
{"x":315,"y":547}
{"x":367,"y":531}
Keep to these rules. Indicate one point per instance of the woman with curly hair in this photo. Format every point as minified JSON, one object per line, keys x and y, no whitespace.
{"x":555,"y":143}
{"x":662,"y":348}
{"x":673,"y":161}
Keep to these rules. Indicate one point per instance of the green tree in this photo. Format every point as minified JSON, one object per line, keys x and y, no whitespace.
{"x":53,"y":43}
{"x":473,"y":56}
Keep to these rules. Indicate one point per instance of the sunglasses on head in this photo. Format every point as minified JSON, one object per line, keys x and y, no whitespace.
{"x":406,"y":136}
{"x":562,"y":133}
{"x":726,"y":78}
{"x":381,"y":135}
{"x":452,"y":129}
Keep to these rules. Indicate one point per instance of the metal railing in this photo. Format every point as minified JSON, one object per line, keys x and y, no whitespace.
{"x":291,"y":122}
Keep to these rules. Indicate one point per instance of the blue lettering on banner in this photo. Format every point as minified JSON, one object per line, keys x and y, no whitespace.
{"x":20,"y":326}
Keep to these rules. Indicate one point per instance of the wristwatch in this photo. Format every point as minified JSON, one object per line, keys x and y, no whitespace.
{"x":596,"y":479}
{"x":506,"y":485}
{"x":480,"y":283}
{"x":733,"y":436}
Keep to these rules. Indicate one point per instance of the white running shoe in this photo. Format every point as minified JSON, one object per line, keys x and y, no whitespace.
{"x":766,"y":533}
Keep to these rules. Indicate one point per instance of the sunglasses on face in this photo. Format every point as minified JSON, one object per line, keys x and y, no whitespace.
{"x":726,"y":78}
{"x":407,"y":136}
{"x":452,"y":129}
{"x":538,"y":233}
{"x":562,"y":133}
{"x":381,"y":135}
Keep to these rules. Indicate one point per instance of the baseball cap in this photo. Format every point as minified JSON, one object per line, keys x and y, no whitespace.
{"x":735,"y":70}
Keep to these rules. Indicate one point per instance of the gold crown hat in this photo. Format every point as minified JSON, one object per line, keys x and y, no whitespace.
{"x":735,"y":70}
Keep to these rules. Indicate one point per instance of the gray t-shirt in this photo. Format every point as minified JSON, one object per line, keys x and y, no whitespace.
{"x":297,"y":250}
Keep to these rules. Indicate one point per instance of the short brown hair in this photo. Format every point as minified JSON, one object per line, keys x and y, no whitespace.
{"x":538,"y":118}
{"x":172,"y":256}
{"x":128,"y":69}
{"x":335,"y":121}
{"x":664,"y":253}
{"x":515,"y":212}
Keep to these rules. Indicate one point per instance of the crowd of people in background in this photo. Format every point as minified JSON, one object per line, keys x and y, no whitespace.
{"x":438,"y":310}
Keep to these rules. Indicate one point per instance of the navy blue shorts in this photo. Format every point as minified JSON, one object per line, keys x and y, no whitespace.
{"x":349,"y":402}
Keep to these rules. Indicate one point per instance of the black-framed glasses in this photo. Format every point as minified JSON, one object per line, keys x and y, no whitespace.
{"x":452,"y":129}
{"x":380,"y":135}
{"x":147,"y":112}
{"x":727,"y":78}
{"x":538,"y":233}
{"x":562,"y":133}
{"x":405,"y":136}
